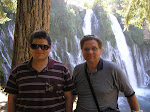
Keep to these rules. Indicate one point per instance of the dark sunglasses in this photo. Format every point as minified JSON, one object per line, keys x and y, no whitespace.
{"x":42,"y":46}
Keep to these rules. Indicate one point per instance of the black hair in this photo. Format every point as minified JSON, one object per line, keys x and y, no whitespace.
{"x":40,"y":34}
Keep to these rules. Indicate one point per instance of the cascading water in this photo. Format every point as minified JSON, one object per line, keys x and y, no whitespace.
{"x":141,"y":72}
{"x":6,"y":62}
{"x":53,"y":54}
{"x":124,"y":59}
{"x":4,"y":58}
{"x":87,"y":22}
{"x":110,"y":53}
{"x":79,"y":58}
{"x":124,"y":50}
{"x":128,"y":61}
{"x":71,"y":58}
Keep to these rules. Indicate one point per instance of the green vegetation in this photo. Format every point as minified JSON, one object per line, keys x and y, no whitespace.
{"x":66,"y":22}
{"x":134,"y":32}
{"x":106,"y":33}
{"x":126,"y":11}
{"x":135,"y":12}
{"x":7,"y":6}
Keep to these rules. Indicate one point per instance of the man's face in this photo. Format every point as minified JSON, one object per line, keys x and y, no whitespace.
{"x":91,"y":51}
{"x":37,"y":52}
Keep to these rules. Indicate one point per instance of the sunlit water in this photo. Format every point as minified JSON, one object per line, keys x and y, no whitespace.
{"x":143,"y":96}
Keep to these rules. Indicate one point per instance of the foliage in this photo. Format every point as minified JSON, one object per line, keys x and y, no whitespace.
{"x":7,"y":6}
{"x":108,"y":5}
{"x":10,"y":4}
{"x":106,"y":33}
{"x":134,"y":12}
{"x":63,"y":22}
{"x":3,"y":17}
{"x":134,"y":36}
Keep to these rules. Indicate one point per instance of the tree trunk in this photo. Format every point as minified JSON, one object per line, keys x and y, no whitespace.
{"x":31,"y":15}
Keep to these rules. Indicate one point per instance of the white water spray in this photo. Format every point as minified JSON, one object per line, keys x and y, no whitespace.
{"x":124,"y":50}
{"x":87,"y":22}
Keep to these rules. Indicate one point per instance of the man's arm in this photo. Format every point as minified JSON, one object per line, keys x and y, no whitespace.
{"x":11,"y":103}
{"x":133,"y":103}
{"x":68,"y":96}
{"x":75,"y":98}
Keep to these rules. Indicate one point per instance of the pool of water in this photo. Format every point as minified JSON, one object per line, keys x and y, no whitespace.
{"x":143,"y":96}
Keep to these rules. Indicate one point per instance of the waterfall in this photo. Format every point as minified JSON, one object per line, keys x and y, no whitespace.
{"x":74,"y":60}
{"x":87,"y":22}
{"x":6,"y":62}
{"x":143,"y":77}
{"x":91,"y":23}
{"x":120,"y":39}
{"x":79,"y":56}
{"x":95,"y":23}
{"x":124,"y":50}
{"x":53,"y":54}
{"x":71,"y":58}
{"x":60,"y":52}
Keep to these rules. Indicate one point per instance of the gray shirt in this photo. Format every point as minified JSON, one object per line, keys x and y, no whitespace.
{"x":107,"y":81}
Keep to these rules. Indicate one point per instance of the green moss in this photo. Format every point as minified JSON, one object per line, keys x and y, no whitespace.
{"x":134,"y":36}
{"x":66,"y":22}
{"x":106,"y":33}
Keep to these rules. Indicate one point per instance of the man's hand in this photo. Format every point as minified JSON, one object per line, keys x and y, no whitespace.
{"x":68,"y":96}
{"x":11,"y":103}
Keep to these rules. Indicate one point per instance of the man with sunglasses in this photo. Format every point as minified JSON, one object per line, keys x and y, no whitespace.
{"x":106,"y":78}
{"x":40,"y":84}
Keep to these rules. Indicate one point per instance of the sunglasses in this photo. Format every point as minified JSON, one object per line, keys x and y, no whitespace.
{"x":42,"y":46}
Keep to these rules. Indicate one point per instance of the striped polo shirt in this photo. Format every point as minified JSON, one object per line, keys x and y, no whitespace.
{"x":40,"y":91}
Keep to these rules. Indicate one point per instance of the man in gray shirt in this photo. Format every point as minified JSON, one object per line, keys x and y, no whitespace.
{"x":106,"y":78}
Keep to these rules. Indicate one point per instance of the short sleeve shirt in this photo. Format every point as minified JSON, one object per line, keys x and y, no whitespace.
{"x":40,"y":91}
{"x":107,"y":81}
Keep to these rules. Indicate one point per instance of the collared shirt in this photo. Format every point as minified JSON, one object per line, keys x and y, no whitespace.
{"x":107,"y":80}
{"x":40,"y":91}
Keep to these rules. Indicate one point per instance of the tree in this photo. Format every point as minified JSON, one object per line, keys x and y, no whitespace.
{"x":135,"y":12}
{"x":31,"y":15}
